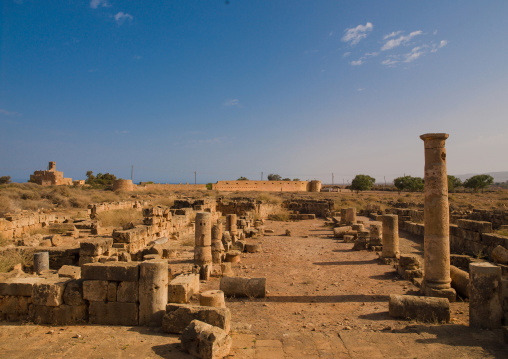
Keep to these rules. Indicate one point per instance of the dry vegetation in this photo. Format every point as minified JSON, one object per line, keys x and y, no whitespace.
{"x":120,"y":217}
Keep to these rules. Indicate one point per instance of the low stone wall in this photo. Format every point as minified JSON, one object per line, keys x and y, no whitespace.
{"x":496,"y":217}
{"x":247,"y":207}
{"x":321,"y":208}
{"x":467,"y":237}
{"x":95,"y":208}
{"x":265,"y":186}
{"x":173,"y":187}
{"x":15,"y":225}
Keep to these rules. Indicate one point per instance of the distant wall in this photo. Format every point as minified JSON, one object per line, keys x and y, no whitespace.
{"x":174,"y":187}
{"x":266,"y":186}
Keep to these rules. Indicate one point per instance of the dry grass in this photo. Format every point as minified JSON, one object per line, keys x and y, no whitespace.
{"x":269,"y":198}
{"x":120,"y":217}
{"x":9,"y":258}
{"x":503,"y":232}
{"x":282,"y":215}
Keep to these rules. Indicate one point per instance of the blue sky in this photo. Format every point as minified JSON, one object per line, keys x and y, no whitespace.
{"x":298,"y":88}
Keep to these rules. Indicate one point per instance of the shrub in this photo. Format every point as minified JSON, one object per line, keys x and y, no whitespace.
{"x":120,"y":217}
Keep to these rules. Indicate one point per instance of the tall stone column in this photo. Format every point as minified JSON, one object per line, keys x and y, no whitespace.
{"x":231,"y":224}
{"x":436,"y":280}
{"x":203,"y":239}
{"x":390,"y":238}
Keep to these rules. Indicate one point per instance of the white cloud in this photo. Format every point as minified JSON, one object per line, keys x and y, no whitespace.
{"x":435,"y":47}
{"x":357,"y":62}
{"x":360,"y":89}
{"x":415,"y":53}
{"x":121,"y":132}
{"x":393,"y":34}
{"x":392,"y":43}
{"x":331,"y":33}
{"x":346,"y":54}
{"x":94,"y":4}
{"x":391,"y":62}
{"x":232,"y":103}
{"x":121,"y":17}
{"x":355,"y":34}
{"x":9,"y":113}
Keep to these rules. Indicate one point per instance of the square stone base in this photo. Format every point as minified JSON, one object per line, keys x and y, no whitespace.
{"x":448,"y":293}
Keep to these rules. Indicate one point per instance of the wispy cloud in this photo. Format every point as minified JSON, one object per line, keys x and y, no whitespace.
{"x":357,"y":62}
{"x":232,"y":103}
{"x":415,"y":53}
{"x":346,"y":54}
{"x":390,"y":61}
{"x":393,"y":34}
{"x":360,"y":61}
{"x":9,"y":113}
{"x":121,"y":132}
{"x":137,"y":57}
{"x":403,"y":39}
{"x":435,"y":47}
{"x":353,"y":35}
{"x":121,"y":17}
{"x":94,"y":4}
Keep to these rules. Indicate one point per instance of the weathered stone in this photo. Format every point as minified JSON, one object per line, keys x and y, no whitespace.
{"x":114,"y":271}
{"x":72,"y":272}
{"x":153,"y":292}
{"x":61,"y":315}
{"x":41,"y":262}
{"x":73,"y":294}
{"x":182,"y":288}
{"x":212,"y":298}
{"x":252,"y":247}
{"x":49,"y":292}
{"x":179,"y":316}
{"x":205,"y":341}
{"x":203,"y":255}
{"x":114,"y":313}
{"x":15,"y":304}
{"x":350,"y":215}
{"x":127,"y":292}
{"x":339,"y":232}
{"x":460,"y":281}
{"x":111,"y":293}
{"x":203,"y":229}
{"x":420,"y":308}
{"x":243,"y":287}
{"x":436,"y":280}
{"x":390,"y":236}
{"x":233,"y":256}
{"x":485,"y":306}
{"x":20,"y":286}
{"x":95,"y":290}
{"x":226,"y":269}
{"x":500,"y":255}
{"x":205,"y":272}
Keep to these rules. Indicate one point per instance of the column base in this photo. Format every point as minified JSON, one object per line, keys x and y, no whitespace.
{"x":448,"y":293}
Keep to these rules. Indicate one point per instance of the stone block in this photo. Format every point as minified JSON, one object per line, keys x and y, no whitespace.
{"x":15,"y":304}
{"x":500,"y":255}
{"x":182,"y":288}
{"x":111,"y":291}
{"x":49,"y":292}
{"x":95,"y":290}
{"x":112,"y":271}
{"x":95,"y":247}
{"x":476,"y":226}
{"x":243,"y":287}
{"x":73,"y":294}
{"x":205,"y":341}
{"x":460,"y":281}
{"x":179,"y":316}
{"x":426,"y":309}
{"x":339,"y":232}
{"x":114,"y":313}
{"x":127,"y":292}
{"x":61,"y":315}
{"x":21,"y":286}
{"x":485,"y":307}
{"x":72,"y":272}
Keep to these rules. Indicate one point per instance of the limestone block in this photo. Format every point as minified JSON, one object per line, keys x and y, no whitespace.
{"x":49,"y":292}
{"x":212,"y":298}
{"x":205,"y":272}
{"x":500,"y":255}
{"x":485,"y":307}
{"x":113,"y":313}
{"x":205,"y":341}
{"x":233,"y":256}
{"x":460,"y":281}
{"x":476,"y":226}
{"x":252,"y":247}
{"x":73,"y":294}
{"x":203,"y":255}
{"x":113,"y":271}
{"x":182,"y":288}
{"x":339,"y":232}
{"x":427,"y":309}
{"x":127,"y":292}
{"x":409,"y":261}
{"x":95,"y":247}
{"x":95,"y":290}
{"x":349,"y":238}
{"x":72,"y":272}
{"x":111,"y":291}
{"x":41,"y":262}
{"x":243,"y":287}
{"x":226,"y":269}
{"x":61,"y":315}
{"x":21,"y":286}
{"x":179,"y":316}
{"x":87,"y":259}
{"x":15,"y":304}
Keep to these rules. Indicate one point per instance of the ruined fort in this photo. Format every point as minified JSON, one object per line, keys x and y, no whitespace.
{"x":297,"y":275}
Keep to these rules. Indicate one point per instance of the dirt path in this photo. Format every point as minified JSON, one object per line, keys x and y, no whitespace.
{"x":324,"y":301}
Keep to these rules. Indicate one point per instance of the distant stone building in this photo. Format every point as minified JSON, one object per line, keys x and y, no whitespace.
{"x":51,"y":177}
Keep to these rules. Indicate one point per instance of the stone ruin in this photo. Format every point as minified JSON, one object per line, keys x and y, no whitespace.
{"x":50,"y":177}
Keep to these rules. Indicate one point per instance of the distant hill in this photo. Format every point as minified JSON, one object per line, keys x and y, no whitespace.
{"x":498,"y":176}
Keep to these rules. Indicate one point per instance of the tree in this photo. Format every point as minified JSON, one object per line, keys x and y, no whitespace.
{"x":90,"y":177}
{"x":296,"y":179}
{"x":101,"y":179}
{"x":362,"y":183}
{"x":5,"y":179}
{"x":408,"y":183}
{"x":243,"y":179}
{"x":274,"y":177}
{"x":479,"y":182}
{"x":453,"y":183}
{"x":286,"y":179}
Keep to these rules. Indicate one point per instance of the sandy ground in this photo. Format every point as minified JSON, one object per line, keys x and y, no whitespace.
{"x":324,"y":301}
